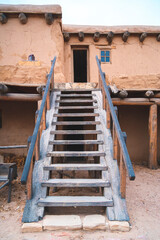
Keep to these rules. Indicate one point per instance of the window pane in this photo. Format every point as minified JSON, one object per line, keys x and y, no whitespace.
{"x":102,"y":53}
{"x":107,"y":59}
{"x":107,"y":53}
{"x":102,"y":59}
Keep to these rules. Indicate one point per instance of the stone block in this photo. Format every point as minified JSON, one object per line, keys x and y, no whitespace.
{"x":121,"y":226}
{"x":94,"y":222}
{"x":32,"y":227}
{"x":62,"y":222}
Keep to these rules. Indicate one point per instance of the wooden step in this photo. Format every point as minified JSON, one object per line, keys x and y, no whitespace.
{"x":76,"y":114}
{"x":76,"y":107}
{"x":68,"y":201}
{"x":75,"y":167}
{"x":65,"y":182}
{"x":75,"y":95}
{"x":76,"y":101}
{"x":76,"y":123}
{"x":75,"y":142}
{"x":72,"y":132}
{"x":77,"y":89}
{"x":76,"y":154}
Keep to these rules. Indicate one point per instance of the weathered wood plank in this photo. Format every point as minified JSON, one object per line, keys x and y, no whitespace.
{"x":76,"y":123}
{"x":76,"y":101}
{"x":74,"y":142}
{"x":69,"y":201}
{"x":75,"y":95}
{"x":75,"y":183}
{"x":75,"y":154}
{"x":76,"y":107}
{"x":20,"y":97}
{"x":76,"y":115}
{"x":153,"y":137}
{"x":76,"y":132}
{"x":75,"y":167}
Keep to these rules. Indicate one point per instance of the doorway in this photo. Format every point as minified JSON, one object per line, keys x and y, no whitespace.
{"x":80,"y":65}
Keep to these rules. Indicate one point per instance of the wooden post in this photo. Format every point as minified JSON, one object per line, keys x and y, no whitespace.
{"x":108,"y":116}
{"x":37,"y":140}
{"x":153,"y":137}
{"x":44,"y":114}
{"x":48,"y":100}
{"x":123,"y":172}
{"x":29,"y":181}
{"x":115,"y":140}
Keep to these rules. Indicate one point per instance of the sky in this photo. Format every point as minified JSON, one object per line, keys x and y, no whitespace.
{"x":103,"y":12}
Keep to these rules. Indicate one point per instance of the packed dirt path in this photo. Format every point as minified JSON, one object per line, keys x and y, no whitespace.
{"x":143,"y":201}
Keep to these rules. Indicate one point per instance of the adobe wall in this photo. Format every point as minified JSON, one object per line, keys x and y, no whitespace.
{"x":18,"y":120}
{"x":36,"y":37}
{"x":134,"y":65}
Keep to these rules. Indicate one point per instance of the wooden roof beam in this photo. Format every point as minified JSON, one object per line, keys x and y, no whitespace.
{"x":125,"y":36}
{"x":143,"y":36}
{"x":110,"y":36}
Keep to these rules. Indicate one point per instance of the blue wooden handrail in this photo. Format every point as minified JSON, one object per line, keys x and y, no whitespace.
{"x":36,"y":129}
{"x":122,"y":143}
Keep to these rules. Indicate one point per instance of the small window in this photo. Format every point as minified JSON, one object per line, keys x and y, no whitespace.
{"x":105,"y":56}
{"x":0,"y":119}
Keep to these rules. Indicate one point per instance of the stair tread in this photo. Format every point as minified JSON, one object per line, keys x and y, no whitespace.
{"x":76,"y":101}
{"x":76,"y":123}
{"x":75,"y":201}
{"x":58,"y":142}
{"x":75,"y":153}
{"x":76,"y":107}
{"x":72,"y":166}
{"x":75,"y":114}
{"x":76,"y":182}
{"x":75,"y":95}
{"x":76,"y":132}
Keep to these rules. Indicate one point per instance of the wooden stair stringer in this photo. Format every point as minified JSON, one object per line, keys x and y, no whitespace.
{"x":119,"y":211}
{"x":32,"y":212}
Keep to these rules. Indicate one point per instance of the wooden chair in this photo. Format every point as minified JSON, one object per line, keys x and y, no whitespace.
{"x":8,"y":172}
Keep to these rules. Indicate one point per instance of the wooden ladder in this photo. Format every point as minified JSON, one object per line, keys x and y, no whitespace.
{"x":74,"y":146}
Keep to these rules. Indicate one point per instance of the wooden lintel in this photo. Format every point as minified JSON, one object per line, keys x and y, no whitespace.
{"x":20,"y":97}
{"x":142,"y":36}
{"x":125,"y":36}
{"x":22,"y":18}
{"x":81,"y":36}
{"x":49,"y":18}
{"x":153,"y":137}
{"x":131,"y":101}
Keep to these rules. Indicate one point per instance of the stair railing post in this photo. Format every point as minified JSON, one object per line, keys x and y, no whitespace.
{"x":44,"y":113}
{"x":52,"y":79}
{"x":123,"y":172}
{"x":104,"y":96}
{"x":48,"y":100}
{"x":29,"y":178}
{"x":37,"y":140}
{"x":108,"y":116}
{"x":115,"y":139}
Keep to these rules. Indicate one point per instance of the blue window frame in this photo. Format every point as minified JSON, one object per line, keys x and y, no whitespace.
{"x":105,"y":56}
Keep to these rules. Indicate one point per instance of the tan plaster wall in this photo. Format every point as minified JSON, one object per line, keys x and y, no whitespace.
{"x":134,"y":65}
{"x":18,"y":41}
{"x":17,"y":124}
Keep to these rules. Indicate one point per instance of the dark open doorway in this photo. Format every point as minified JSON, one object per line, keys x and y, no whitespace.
{"x":80,"y":65}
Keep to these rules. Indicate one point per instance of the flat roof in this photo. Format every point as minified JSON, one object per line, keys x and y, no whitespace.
{"x":105,"y":29}
{"x":34,"y":9}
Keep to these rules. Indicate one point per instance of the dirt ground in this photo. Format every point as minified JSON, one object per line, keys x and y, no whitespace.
{"x":143,"y":200}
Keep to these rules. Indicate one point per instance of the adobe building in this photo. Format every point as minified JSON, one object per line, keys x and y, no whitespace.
{"x":30,"y":38}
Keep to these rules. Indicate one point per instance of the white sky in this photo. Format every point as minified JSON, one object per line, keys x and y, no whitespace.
{"x":103,"y":12}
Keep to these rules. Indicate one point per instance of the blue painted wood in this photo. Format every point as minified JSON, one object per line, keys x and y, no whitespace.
{"x":35,"y":132}
{"x":122,"y":143}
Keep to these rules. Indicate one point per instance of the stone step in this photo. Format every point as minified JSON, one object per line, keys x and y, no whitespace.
{"x":74,"y":142}
{"x":72,"y":132}
{"x":76,"y":115}
{"x":76,"y":154}
{"x":76,"y":123}
{"x":75,"y":167}
{"x":68,"y":201}
{"x":65,"y":182}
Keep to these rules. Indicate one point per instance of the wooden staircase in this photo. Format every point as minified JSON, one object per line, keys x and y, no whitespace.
{"x":74,"y":148}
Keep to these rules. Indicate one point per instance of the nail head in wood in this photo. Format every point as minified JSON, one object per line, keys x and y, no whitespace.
{"x":66,"y":36}
{"x":49,"y":18}
{"x":96,"y":36}
{"x":22,"y":18}
{"x":110,"y":36}
{"x":3,"y":18}
{"x":125,"y":36}
{"x":81,"y":36}
{"x":142,"y":36}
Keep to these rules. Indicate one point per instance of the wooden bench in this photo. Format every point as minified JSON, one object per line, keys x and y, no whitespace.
{"x":8,"y":172}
